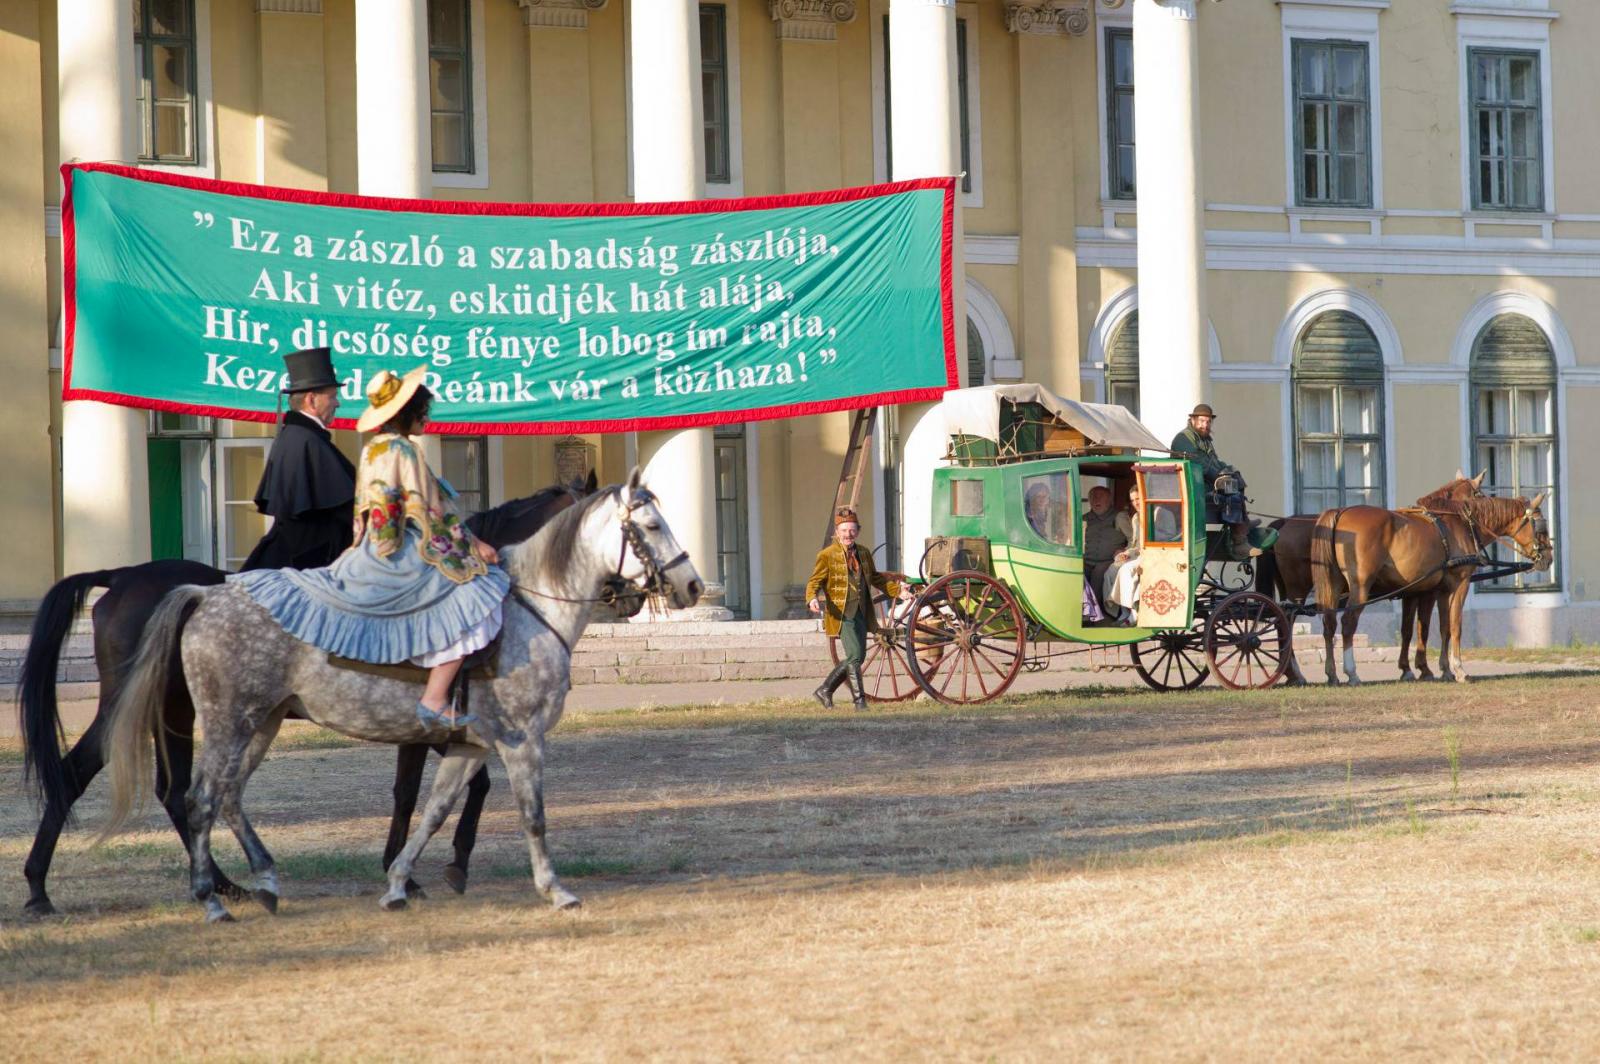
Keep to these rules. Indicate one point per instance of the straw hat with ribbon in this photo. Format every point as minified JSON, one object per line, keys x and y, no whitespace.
{"x":386,"y":394}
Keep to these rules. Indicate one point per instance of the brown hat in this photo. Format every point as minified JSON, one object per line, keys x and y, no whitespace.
{"x":845,"y":515}
{"x":1203,"y":410}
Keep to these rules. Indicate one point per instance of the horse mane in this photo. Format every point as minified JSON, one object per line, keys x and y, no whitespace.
{"x":560,"y":537}
{"x":1452,"y":498}
{"x":513,"y":521}
{"x":1497,"y":511}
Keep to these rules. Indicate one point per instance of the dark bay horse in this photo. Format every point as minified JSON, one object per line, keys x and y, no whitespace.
{"x":1362,"y":552}
{"x":1284,"y":572}
{"x":120,"y":617}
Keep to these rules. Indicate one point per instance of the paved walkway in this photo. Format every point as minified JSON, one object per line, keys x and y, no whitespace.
{"x":76,"y":713}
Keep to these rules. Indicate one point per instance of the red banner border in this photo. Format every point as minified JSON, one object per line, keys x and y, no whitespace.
{"x":527,"y":210}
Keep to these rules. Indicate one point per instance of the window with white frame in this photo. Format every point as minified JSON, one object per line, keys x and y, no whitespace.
{"x":464,"y":462}
{"x":714,"y":92}
{"x":450,"y":84}
{"x":1338,"y":414}
{"x":1514,"y":425}
{"x":1508,"y":140}
{"x":965,"y":105}
{"x":1120,"y":182}
{"x":165,"y":77}
{"x":1332,"y":124}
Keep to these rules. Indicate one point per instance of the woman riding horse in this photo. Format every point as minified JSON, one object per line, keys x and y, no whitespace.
{"x":417,"y":586}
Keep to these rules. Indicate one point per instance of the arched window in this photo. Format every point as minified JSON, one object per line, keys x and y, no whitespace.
{"x":1514,"y":422}
{"x":1338,"y":414}
{"x":1122,"y":365}
{"x":977,"y":360}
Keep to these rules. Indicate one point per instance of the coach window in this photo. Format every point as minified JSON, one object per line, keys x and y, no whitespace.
{"x":1514,"y":425}
{"x":465,"y":464}
{"x":164,"y":79}
{"x":1338,"y":414}
{"x":450,"y":84}
{"x":1047,"y":506}
{"x":1122,"y":366}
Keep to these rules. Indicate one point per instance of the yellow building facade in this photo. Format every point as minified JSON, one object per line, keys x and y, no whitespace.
{"x":1377,"y":257}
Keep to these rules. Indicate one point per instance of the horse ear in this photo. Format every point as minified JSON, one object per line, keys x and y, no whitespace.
{"x":1477,"y":481}
{"x":591,"y":485}
{"x":634,"y":479}
{"x":1537,"y":499}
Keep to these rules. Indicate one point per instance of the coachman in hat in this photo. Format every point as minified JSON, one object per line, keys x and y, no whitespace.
{"x":840,"y":589}
{"x":309,"y":487}
{"x":1225,"y":501}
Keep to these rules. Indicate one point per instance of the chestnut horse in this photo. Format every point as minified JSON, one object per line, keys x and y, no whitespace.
{"x":1284,"y":572}
{"x":1360,"y":553}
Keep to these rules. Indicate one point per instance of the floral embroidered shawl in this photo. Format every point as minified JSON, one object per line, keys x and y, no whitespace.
{"x":395,"y":485}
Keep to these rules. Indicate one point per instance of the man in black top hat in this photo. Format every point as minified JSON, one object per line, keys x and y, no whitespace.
{"x":1225,"y":500}
{"x":309,"y":487}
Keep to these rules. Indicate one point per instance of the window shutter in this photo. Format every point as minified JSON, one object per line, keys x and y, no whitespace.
{"x":977,"y":359}
{"x":1512,"y":350}
{"x":1338,"y":346}
{"x":1122,"y":361}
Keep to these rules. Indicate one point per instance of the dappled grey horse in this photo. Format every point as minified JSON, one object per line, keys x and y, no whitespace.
{"x":245,"y":673}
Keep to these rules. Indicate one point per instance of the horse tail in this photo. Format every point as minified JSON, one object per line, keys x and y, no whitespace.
{"x":38,"y":715}
{"x":1325,"y":575}
{"x":137,"y":713}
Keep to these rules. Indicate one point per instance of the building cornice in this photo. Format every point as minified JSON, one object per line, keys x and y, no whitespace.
{"x":1463,"y":8}
{"x":289,"y":7}
{"x":810,"y":20}
{"x":1049,"y":18}
{"x":559,"y":14}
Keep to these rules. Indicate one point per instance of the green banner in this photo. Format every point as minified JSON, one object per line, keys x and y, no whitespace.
{"x":183,"y":294}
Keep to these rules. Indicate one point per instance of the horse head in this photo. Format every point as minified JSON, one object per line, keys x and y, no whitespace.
{"x":650,"y":555}
{"x":1519,"y":520}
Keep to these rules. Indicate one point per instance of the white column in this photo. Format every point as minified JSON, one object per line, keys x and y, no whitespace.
{"x":926,"y":124}
{"x":105,"y":475}
{"x":668,"y":131}
{"x":394,"y":146}
{"x":1173,"y":348}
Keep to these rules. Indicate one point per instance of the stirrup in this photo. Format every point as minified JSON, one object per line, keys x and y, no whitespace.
{"x":433,"y":718}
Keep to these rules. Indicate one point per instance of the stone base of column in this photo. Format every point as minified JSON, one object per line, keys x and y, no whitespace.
{"x":709,"y":608}
{"x":794,"y":604}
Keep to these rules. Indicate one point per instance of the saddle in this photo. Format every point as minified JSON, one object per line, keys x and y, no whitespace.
{"x":481,"y":665}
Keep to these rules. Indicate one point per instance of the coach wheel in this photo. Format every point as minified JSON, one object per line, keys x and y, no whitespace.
{"x":1172,"y":661}
{"x":884,"y":672}
{"x":967,"y":638}
{"x":1248,"y":641}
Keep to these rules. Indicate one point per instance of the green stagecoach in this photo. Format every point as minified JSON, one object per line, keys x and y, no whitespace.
{"x":1001,"y":585}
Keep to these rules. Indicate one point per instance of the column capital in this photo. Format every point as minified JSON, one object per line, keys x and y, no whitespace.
{"x":1049,"y":18}
{"x":560,"y":14}
{"x":810,"y":20}
{"x":289,"y":7}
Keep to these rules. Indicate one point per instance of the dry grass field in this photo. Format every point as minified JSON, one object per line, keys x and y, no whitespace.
{"x":1397,"y":871}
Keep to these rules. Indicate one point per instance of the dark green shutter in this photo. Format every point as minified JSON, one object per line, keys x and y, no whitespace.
{"x":1122,"y":361}
{"x":1338,"y":346}
{"x":1512,"y":350}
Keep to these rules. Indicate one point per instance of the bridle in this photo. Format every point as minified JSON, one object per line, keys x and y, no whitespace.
{"x":1531,"y":517}
{"x":617,"y":586}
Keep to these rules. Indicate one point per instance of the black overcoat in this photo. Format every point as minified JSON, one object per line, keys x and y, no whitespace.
{"x":309,"y":491}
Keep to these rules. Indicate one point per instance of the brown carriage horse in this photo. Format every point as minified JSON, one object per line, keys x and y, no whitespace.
{"x":1284,"y":572}
{"x":1363,"y":552}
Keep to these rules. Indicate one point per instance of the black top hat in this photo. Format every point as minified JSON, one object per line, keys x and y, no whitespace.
{"x":309,"y":370}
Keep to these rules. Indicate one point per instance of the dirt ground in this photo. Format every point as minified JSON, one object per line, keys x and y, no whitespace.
{"x":1395,"y":871}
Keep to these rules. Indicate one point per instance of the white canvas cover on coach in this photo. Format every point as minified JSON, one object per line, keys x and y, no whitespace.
{"x":976,"y":412}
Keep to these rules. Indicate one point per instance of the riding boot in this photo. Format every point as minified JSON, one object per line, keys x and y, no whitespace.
{"x":1240,"y":547}
{"x":858,"y":689}
{"x":824,"y":694}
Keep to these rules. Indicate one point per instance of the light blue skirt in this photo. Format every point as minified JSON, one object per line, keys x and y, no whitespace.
{"x":381,"y":610}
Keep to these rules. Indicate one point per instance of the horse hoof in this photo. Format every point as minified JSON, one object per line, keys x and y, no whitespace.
{"x":219,"y":915}
{"x":268,"y":901}
{"x":456,"y":877}
{"x":562,"y":898}
{"x":414,"y":890}
{"x":39,"y":908}
{"x":391,"y":905}
{"x":1407,"y":677}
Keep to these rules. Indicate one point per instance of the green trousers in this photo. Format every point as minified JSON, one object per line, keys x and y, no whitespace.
{"x":853,"y":638}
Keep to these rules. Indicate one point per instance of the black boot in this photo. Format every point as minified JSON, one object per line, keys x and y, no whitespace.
{"x":858,"y":690}
{"x":824,"y":694}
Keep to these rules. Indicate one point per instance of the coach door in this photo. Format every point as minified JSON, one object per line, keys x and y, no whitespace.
{"x":1166,"y":590}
